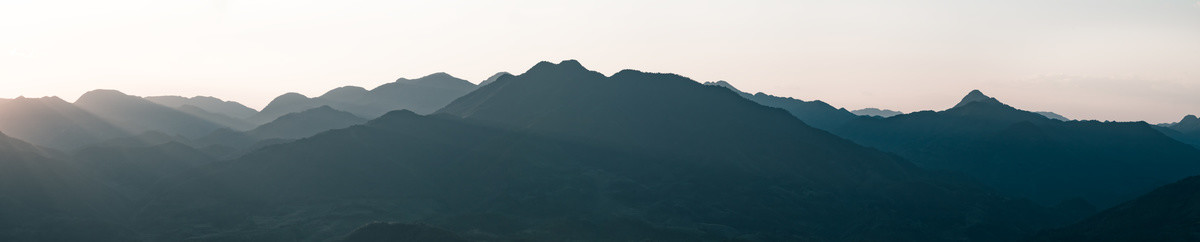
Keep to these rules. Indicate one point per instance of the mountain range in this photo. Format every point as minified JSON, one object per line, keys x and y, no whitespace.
{"x":422,"y":95}
{"x":814,"y":113}
{"x":1028,"y":155}
{"x":1186,"y":130}
{"x":564,"y":153}
{"x":883,"y":113}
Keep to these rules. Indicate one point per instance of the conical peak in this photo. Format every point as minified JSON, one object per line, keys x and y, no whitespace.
{"x":976,"y":96}
{"x":1190,"y":118}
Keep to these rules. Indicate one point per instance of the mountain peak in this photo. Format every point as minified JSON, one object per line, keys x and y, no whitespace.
{"x":1189,"y":124}
{"x":1190,"y":119}
{"x":440,"y":79}
{"x":723,"y":84}
{"x":102,"y":94}
{"x":563,"y":66}
{"x":345,"y":92}
{"x":438,"y":75}
{"x":976,"y":96}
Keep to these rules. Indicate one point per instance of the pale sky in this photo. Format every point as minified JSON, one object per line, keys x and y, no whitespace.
{"x":1088,"y":59}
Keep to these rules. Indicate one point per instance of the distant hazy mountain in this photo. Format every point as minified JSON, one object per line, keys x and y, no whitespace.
{"x":148,"y":138}
{"x":814,"y":113}
{"x":139,"y":115}
{"x":883,"y":113}
{"x":210,"y":104}
{"x":1054,"y":116}
{"x":289,"y":127}
{"x":1169,"y":213}
{"x":1186,"y":130}
{"x":1189,"y":124}
{"x":422,"y":95}
{"x":284,"y":104}
{"x":221,"y":119}
{"x":1026,"y":154}
{"x":44,"y":199}
{"x":306,"y":123}
{"x":52,"y":122}
{"x":493,"y":78}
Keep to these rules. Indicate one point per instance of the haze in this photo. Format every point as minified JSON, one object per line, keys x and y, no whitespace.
{"x":1107,"y":60}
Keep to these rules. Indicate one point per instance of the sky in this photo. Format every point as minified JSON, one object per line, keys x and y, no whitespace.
{"x":1122,"y":60}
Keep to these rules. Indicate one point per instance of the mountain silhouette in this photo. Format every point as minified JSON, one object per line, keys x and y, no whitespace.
{"x":217,"y":118}
{"x":54,"y":123}
{"x":1186,"y":130}
{"x":289,"y":127}
{"x":422,"y":95}
{"x":210,"y":104}
{"x":1026,"y":154}
{"x":1169,"y":213}
{"x":814,"y":113}
{"x":284,"y":104}
{"x":1054,"y":116}
{"x":306,"y":123}
{"x":883,"y":113}
{"x":493,"y":78}
{"x":139,"y":115}
{"x":564,"y":153}
{"x":977,"y":96}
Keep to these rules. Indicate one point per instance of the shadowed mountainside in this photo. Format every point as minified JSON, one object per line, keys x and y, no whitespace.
{"x":401,"y":232}
{"x":1169,"y":213}
{"x":1186,"y":130}
{"x":1026,"y":154}
{"x":44,"y":199}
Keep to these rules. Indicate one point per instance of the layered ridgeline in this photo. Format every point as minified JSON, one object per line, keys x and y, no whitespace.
{"x":815,"y":113}
{"x":1054,"y":116}
{"x":288,"y":127}
{"x":1186,"y":130}
{"x":54,"y":123}
{"x":883,"y":113}
{"x":1026,"y":154}
{"x":44,"y":199}
{"x":140,"y":115}
{"x":209,"y":104}
{"x":228,"y":113}
{"x":563,"y":153}
{"x":1169,"y":213}
{"x":422,"y":95}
